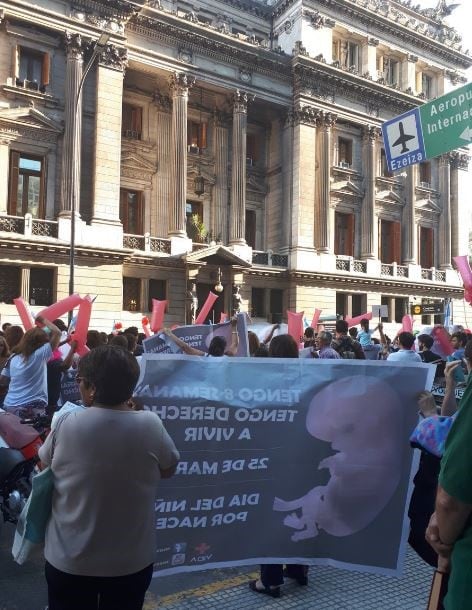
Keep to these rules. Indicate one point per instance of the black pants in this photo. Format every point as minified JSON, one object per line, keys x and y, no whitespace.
{"x":272,"y":573}
{"x":72,"y":592}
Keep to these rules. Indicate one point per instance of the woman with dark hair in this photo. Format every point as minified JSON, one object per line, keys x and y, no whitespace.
{"x":272,"y":574}
{"x":107,"y":462}
{"x":13,"y":335}
{"x":27,"y":394}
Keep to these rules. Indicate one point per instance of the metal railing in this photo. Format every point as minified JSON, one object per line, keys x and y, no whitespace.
{"x":159,"y":244}
{"x":12,"y":224}
{"x":45,"y":228}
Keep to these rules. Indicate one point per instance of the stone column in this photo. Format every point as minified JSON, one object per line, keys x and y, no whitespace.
{"x":286,"y":160}
{"x":237,"y":230}
{"x":4,"y":161}
{"x":302,"y":182}
{"x":455,"y":216}
{"x":25,"y":275}
{"x":369,"y":57}
{"x":220,"y":190}
{"x":180,"y":84}
{"x":323,"y":220}
{"x":408,"y":218}
{"x":160,"y":218}
{"x":408,"y":77}
{"x":71,"y":145}
{"x":445,"y":217}
{"x":110,"y":70}
{"x":368,"y":249}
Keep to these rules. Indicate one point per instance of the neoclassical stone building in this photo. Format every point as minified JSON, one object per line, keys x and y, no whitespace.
{"x":230,"y":142}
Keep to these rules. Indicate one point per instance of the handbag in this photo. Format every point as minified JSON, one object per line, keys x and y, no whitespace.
{"x":438,"y":591}
{"x":32,"y":522}
{"x":31,"y":527}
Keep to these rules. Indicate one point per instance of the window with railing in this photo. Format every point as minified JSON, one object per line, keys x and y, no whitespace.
{"x":27,"y":185}
{"x":131,"y":211}
{"x":131,"y":294}
{"x":41,"y":288}
{"x":424,"y":174}
{"x":32,"y":69}
{"x":132,"y":122}
{"x":389,"y":241}
{"x":344,"y":234}
{"x":426,"y":247}
{"x":344,"y":159}
{"x":196,"y":136}
{"x":347,"y":53}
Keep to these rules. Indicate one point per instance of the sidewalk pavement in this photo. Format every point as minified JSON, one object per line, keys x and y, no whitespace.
{"x":328,"y":589}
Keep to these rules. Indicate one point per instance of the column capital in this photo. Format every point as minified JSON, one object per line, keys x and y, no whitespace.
{"x":180,"y":83}
{"x":412,"y":58}
{"x":327,"y":120}
{"x":371,"y":133}
{"x":114,"y":57}
{"x":445,"y":160}
{"x":74,"y":45}
{"x":373,"y":42}
{"x":305,"y":115}
{"x":241,"y":100}
{"x":162,"y":102}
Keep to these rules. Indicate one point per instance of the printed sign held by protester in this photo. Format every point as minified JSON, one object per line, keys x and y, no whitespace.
{"x":283,"y":460}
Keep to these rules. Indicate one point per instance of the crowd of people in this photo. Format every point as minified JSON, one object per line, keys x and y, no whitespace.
{"x":93,"y":451}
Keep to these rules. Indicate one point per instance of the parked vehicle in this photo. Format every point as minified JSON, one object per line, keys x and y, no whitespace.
{"x":19,"y":445}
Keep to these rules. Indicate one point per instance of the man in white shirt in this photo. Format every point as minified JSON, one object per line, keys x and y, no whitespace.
{"x":405,"y":353}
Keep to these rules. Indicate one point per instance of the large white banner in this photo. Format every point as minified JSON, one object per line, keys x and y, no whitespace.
{"x":283,"y":460}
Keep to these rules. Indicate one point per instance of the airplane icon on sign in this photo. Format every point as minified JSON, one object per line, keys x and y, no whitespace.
{"x":403,"y":139}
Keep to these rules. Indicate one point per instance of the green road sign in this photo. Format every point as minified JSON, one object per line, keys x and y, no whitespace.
{"x":429,"y":130}
{"x":447,"y":121}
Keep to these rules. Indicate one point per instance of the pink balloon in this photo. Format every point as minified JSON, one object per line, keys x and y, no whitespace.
{"x":463,"y":266}
{"x":295,"y":324}
{"x":357,"y":320}
{"x":440,"y":335}
{"x":157,"y":317}
{"x":205,"y":310}
{"x":61,"y":307}
{"x":407,"y":324}
{"x":24,"y":313}
{"x":316,"y":317}
{"x":82,"y":325}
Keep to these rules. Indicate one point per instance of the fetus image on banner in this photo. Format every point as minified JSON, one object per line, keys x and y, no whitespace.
{"x":361,"y":418}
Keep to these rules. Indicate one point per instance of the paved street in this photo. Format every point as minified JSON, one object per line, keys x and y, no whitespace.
{"x":23,"y":588}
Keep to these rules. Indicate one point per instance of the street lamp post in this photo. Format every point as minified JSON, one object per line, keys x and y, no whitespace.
{"x":97,"y":49}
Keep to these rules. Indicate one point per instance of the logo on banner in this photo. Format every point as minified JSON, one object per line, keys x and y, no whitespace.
{"x":202,"y":553}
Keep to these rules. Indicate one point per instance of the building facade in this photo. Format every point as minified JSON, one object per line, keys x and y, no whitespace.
{"x":228,"y":142}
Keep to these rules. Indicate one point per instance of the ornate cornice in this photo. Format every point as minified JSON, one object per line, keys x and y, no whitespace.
{"x":319,"y":80}
{"x":120,"y":10}
{"x":409,"y":25}
{"x":212,"y":43}
{"x":114,"y":57}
